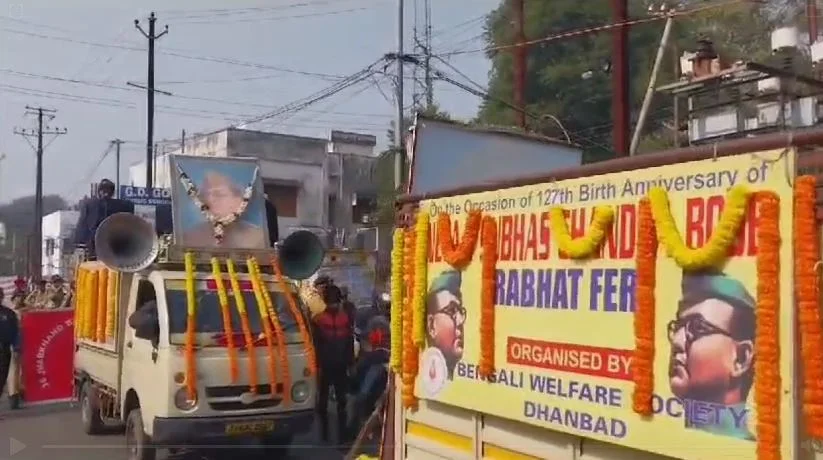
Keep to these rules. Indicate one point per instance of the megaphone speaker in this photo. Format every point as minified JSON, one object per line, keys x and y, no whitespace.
{"x":301,"y":254}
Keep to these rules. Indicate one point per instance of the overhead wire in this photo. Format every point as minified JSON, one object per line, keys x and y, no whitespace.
{"x":87,"y":178}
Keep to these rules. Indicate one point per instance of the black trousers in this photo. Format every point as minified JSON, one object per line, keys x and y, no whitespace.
{"x":339,"y":380}
{"x":5,"y":362}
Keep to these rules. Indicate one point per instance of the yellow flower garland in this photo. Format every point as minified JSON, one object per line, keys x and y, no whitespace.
{"x":584,"y":246}
{"x":225,"y":312}
{"x":716,"y":250}
{"x":397,"y":301}
{"x":79,"y":304}
{"x":421,"y":254}
{"x":191,"y":322}
{"x":279,"y":335}
{"x":102,"y":304}
{"x":240,"y":301}
{"x":90,"y":311}
{"x":111,"y":304}
{"x":271,"y":365}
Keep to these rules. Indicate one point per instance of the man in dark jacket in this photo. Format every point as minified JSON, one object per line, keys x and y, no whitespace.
{"x":335,"y":353}
{"x":9,"y":339}
{"x":94,"y":211}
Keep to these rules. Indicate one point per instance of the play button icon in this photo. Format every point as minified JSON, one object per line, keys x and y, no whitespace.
{"x":15,"y":447}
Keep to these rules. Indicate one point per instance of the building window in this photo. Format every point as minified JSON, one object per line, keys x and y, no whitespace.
{"x":49,"y":247}
{"x":284,"y":198}
{"x":363,"y":209}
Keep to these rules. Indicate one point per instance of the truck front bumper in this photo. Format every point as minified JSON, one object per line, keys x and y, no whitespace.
{"x":193,"y":431}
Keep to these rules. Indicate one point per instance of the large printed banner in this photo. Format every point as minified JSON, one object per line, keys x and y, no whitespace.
{"x":564,"y":328}
{"x":48,"y":355}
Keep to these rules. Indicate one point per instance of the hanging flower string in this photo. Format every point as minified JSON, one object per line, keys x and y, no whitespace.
{"x":89,"y":323}
{"x":713,"y":254}
{"x":767,"y":343}
{"x":111,"y":304}
{"x":586,"y":245}
{"x":218,"y":224}
{"x":271,"y":364}
{"x":102,"y":304}
{"x":397,"y":280}
{"x":225,"y":311}
{"x":806,"y":254}
{"x":421,"y":262}
{"x":409,"y":350}
{"x":644,"y":318}
{"x":191,"y":322}
{"x":458,"y":255}
{"x":240,"y":301}
{"x":305,"y":336}
{"x":79,"y":304}
{"x":487,"y":296}
{"x":279,"y":334}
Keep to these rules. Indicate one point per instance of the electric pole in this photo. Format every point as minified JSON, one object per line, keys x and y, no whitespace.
{"x":519,"y":62}
{"x":398,"y":158}
{"x":42,"y":114}
{"x":427,"y":43}
{"x":117,"y":143}
{"x":151,"y":36}
{"x":620,"y":78}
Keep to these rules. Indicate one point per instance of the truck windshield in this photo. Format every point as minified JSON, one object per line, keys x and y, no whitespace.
{"x":209,"y":328}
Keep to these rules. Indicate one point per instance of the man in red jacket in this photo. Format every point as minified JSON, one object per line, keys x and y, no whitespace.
{"x":334,"y":344}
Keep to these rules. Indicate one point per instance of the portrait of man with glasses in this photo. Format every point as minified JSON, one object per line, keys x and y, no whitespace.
{"x":445,"y":317}
{"x":712,"y":352}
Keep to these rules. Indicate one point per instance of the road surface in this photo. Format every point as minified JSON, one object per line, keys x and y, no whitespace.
{"x":54,"y":432}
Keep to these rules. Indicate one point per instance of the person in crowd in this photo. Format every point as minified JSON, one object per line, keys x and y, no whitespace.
{"x":335,"y":352}
{"x":146,"y":322}
{"x":348,"y":305}
{"x":18,"y":301}
{"x":322,"y":282}
{"x":58,"y":295}
{"x":94,"y":211}
{"x":39,"y":297}
{"x":370,"y":375}
{"x":9,"y":339}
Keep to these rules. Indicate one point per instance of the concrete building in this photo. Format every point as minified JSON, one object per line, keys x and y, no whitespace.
{"x":313,"y":182}
{"x":58,"y":228}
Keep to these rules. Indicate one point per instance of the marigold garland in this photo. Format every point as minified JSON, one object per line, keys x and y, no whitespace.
{"x":90,"y":323}
{"x":191,"y":321}
{"x":279,"y":335}
{"x":487,"y":296}
{"x":271,"y":366}
{"x":767,"y":346}
{"x":459,"y":256}
{"x":111,"y":304}
{"x":240,"y":301}
{"x":644,"y":317}
{"x":806,"y":279}
{"x":396,"y":356}
{"x":225,"y":311}
{"x":102,"y":305}
{"x":305,"y":336}
{"x":585,"y":246}
{"x":410,"y":356}
{"x":715,"y":251}
{"x":421,"y":263}
{"x":80,"y":303}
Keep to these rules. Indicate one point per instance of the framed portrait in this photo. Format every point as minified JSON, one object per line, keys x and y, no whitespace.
{"x":208,"y":191}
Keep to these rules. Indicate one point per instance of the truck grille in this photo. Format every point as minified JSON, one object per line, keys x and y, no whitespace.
{"x":228,"y":398}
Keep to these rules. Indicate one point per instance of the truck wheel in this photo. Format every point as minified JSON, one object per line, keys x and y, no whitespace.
{"x":137,"y":441}
{"x":90,"y":410}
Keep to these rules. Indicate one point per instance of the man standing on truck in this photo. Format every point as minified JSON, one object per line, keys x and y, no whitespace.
{"x":712,"y":352}
{"x":9,"y":339}
{"x":335,"y":353}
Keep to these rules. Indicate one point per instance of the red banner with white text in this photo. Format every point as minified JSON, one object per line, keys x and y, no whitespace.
{"x":47,"y":355}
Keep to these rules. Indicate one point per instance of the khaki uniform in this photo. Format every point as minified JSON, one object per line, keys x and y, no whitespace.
{"x":58,"y":297}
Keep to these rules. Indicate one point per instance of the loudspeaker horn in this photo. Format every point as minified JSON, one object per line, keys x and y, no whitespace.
{"x":126,"y":242}
{"x":300,"y":254}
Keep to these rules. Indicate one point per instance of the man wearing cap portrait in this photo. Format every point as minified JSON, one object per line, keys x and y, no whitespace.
{"x":223,"y":197}
{"x":712,"y":350}
{"x":445,"y":317}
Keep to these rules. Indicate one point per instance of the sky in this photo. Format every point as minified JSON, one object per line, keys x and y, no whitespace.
{"x":222,"y":62}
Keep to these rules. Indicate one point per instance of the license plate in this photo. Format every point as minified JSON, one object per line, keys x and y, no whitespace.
{"x":249,"y":428}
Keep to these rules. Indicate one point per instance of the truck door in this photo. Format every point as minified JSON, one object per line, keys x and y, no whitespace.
{"x":141,"y":343}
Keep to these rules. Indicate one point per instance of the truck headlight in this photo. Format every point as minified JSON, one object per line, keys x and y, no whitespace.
{"x":300,"y":392}
{"x":182,"y":401}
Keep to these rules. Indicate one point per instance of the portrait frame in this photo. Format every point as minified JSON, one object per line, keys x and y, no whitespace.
{"x":239,"y":170}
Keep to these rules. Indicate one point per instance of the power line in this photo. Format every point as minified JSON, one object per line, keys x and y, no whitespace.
{"x":278,"y":18}
{"x":210,"y":12}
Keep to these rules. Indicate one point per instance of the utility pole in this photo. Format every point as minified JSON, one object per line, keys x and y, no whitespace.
{"x":620,"y":78}
{"x":519,"y":62}
{"x":117,"y":143}
{"x":42,"y":115}
{"x":183,"y":142}
{"x":811,"y":13}
{"x":427,"y":42}
{"x":398,"y":158}
{"x":151,"y":36}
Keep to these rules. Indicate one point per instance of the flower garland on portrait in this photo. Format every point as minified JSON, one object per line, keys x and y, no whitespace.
{"x":410,"y":352}
{"x":240,"y":301}
{"x":458,"y":255}
{"x":191,"y":322}
{"x":225,"y":311}
{"x":421,"y":262}
{"x":585,"y":246}
{"x":644,"y":315}
{"x":488,"y":297}
{"x":714,"y":253}
{"x":767,"y":347}
{"x":218,"y":224}
{"x":397,"y":280}
{"x":807,"y":292}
